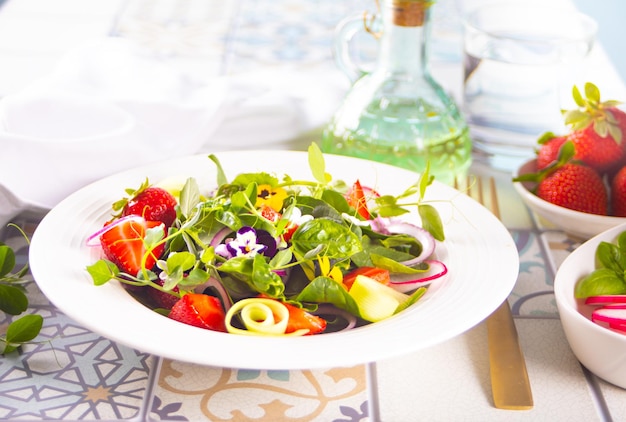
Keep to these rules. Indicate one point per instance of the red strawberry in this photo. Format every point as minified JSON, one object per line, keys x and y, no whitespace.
{"x":618,"y":193}
{"x":153,"y":204}
{"x":301,"y":319}
{"x":576,"y":187}
{"x":600,"y":153}
{"x":201,"y":311}
{"x":597,"y":130}
{"x":569,"y":184}
{"x":548,"y":152}
{"x":124,"y":244}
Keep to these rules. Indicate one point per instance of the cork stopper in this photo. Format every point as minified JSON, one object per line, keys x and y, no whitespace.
{"x":410,"y":13}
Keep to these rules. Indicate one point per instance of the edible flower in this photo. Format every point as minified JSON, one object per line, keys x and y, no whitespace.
{"x":272,"y":197}
{"x":327,"y":271}
{"x":245,"y":244}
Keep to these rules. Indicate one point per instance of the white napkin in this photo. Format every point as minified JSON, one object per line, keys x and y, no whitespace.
{"x":108,"y":108}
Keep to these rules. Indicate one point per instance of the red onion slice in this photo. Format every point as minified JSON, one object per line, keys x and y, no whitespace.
{"x":220,"y":236}
{"x":212,"y":282}
{"x":409,"y":282}
{"x":388,"y":226}
{"x":328,"y":309}
{"x":91,"y":240}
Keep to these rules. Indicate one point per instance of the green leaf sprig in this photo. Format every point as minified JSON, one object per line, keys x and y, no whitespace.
{"x":609,"y":276}
{"x":13,"y":301}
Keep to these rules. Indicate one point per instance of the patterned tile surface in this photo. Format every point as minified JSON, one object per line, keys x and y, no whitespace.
{"x":73,"y":374}
{"x":221,"y":394}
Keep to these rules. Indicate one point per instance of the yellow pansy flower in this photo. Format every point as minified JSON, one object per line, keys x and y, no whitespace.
{"x":272,"y":197}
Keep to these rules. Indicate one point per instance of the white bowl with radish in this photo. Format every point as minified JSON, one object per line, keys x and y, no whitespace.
{"x":595,"y":321}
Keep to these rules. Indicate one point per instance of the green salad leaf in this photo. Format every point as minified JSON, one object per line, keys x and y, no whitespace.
{"x":13,"y":301}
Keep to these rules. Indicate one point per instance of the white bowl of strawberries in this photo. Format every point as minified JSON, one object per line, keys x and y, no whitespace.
{"x":578,"y":181}
{"x":590,"y":292}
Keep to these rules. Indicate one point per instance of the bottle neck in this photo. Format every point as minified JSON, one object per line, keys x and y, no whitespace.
{"x":404,"y":41}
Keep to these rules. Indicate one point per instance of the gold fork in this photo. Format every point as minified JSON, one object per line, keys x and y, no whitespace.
{"x":509,"y":378}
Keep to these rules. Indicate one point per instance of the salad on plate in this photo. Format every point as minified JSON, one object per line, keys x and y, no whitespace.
{"x":264,"y":254}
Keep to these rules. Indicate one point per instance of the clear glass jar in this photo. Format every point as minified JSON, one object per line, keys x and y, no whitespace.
{"x":397,"y":113}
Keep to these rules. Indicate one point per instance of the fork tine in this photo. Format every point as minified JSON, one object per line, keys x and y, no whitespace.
{"x":495,"y":207}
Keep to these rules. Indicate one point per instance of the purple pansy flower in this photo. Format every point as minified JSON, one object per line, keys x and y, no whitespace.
{"x":244,"y":244}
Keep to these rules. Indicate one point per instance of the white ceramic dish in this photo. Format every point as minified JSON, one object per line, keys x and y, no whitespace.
{"x":601,"y":350}
{"x":481,"y":256}
{"x":578,"y":223}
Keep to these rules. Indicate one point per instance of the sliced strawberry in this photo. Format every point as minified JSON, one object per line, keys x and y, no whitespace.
{"x":153,"y":204}
{"x":201,"y":311}
{"x":378,"y":274}
{"x":300,"y":319}
{"x":357,"y":200}
{"x":269,"y":213}
{"x":124,"y":244}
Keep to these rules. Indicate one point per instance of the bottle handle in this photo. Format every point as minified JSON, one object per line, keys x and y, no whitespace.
{"x":344,"y":33}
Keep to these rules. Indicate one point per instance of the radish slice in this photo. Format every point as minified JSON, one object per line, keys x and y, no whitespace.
{"x":387,"y":226}
{"x":614,"y":317}
{"x":605,"y":300}
{"x":408,"y":282}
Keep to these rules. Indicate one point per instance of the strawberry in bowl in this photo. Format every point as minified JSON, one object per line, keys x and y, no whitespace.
{"x":577,"y":181}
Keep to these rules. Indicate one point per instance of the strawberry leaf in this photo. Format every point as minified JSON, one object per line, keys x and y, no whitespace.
{"x":616,"y":133}
{"x":577,"y":119}
{"x":547,"y":136}
{"x":592,"y":92}
{"x":601,"y":127}
{"x":580,"y":102}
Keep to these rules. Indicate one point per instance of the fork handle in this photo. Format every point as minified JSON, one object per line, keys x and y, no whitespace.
{"x":509,"y":377}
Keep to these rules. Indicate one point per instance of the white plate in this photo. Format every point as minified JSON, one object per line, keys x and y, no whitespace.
{"x":481,"y":256}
